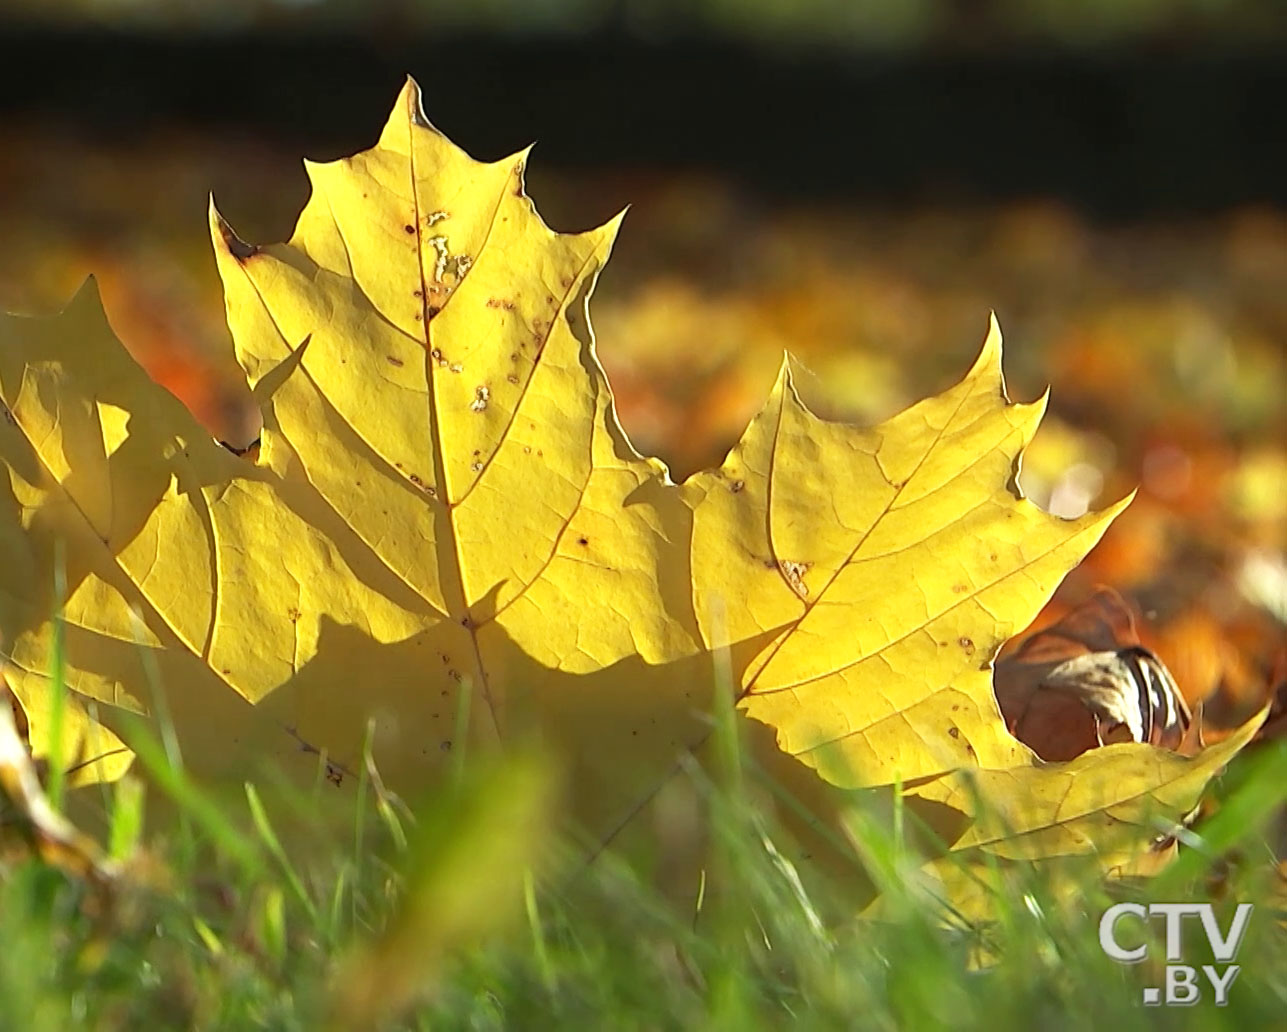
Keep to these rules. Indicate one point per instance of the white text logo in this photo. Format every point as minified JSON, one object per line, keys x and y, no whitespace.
{"x":1183,"y":987}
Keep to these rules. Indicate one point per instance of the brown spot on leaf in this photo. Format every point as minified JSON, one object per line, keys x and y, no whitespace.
{"x":737,"y":485}
{"x":966,"y":644}
{"x":394,"y":361}
{"x":582,"y":541}
{"x":237,"y":247}
{"x":408,"y":229}
{"x":498,"y":302}
{"x":955,"y":732}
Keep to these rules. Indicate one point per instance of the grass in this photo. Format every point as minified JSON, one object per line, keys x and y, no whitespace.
{"x":468,"y":913}
{"x":271,"y":907}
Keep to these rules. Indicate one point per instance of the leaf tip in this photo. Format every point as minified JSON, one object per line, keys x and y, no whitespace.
{"x":411,"y":101}
{"x":1105,"y":516}
{"x":518,"y":162}
{"x":223,"y":234}
{"x":989,"y":360}
{"x":87,"y":299}
{"x":612,"y":227}
{"x":784,"y":386}
{"x":1217,"y":755}
{"x":1036,"y":410}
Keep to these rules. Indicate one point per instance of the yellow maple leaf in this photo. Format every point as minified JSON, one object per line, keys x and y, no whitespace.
{"x":445,"y":503}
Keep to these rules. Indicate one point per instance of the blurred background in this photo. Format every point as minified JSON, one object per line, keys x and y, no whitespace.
{"x":858,"y":181}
